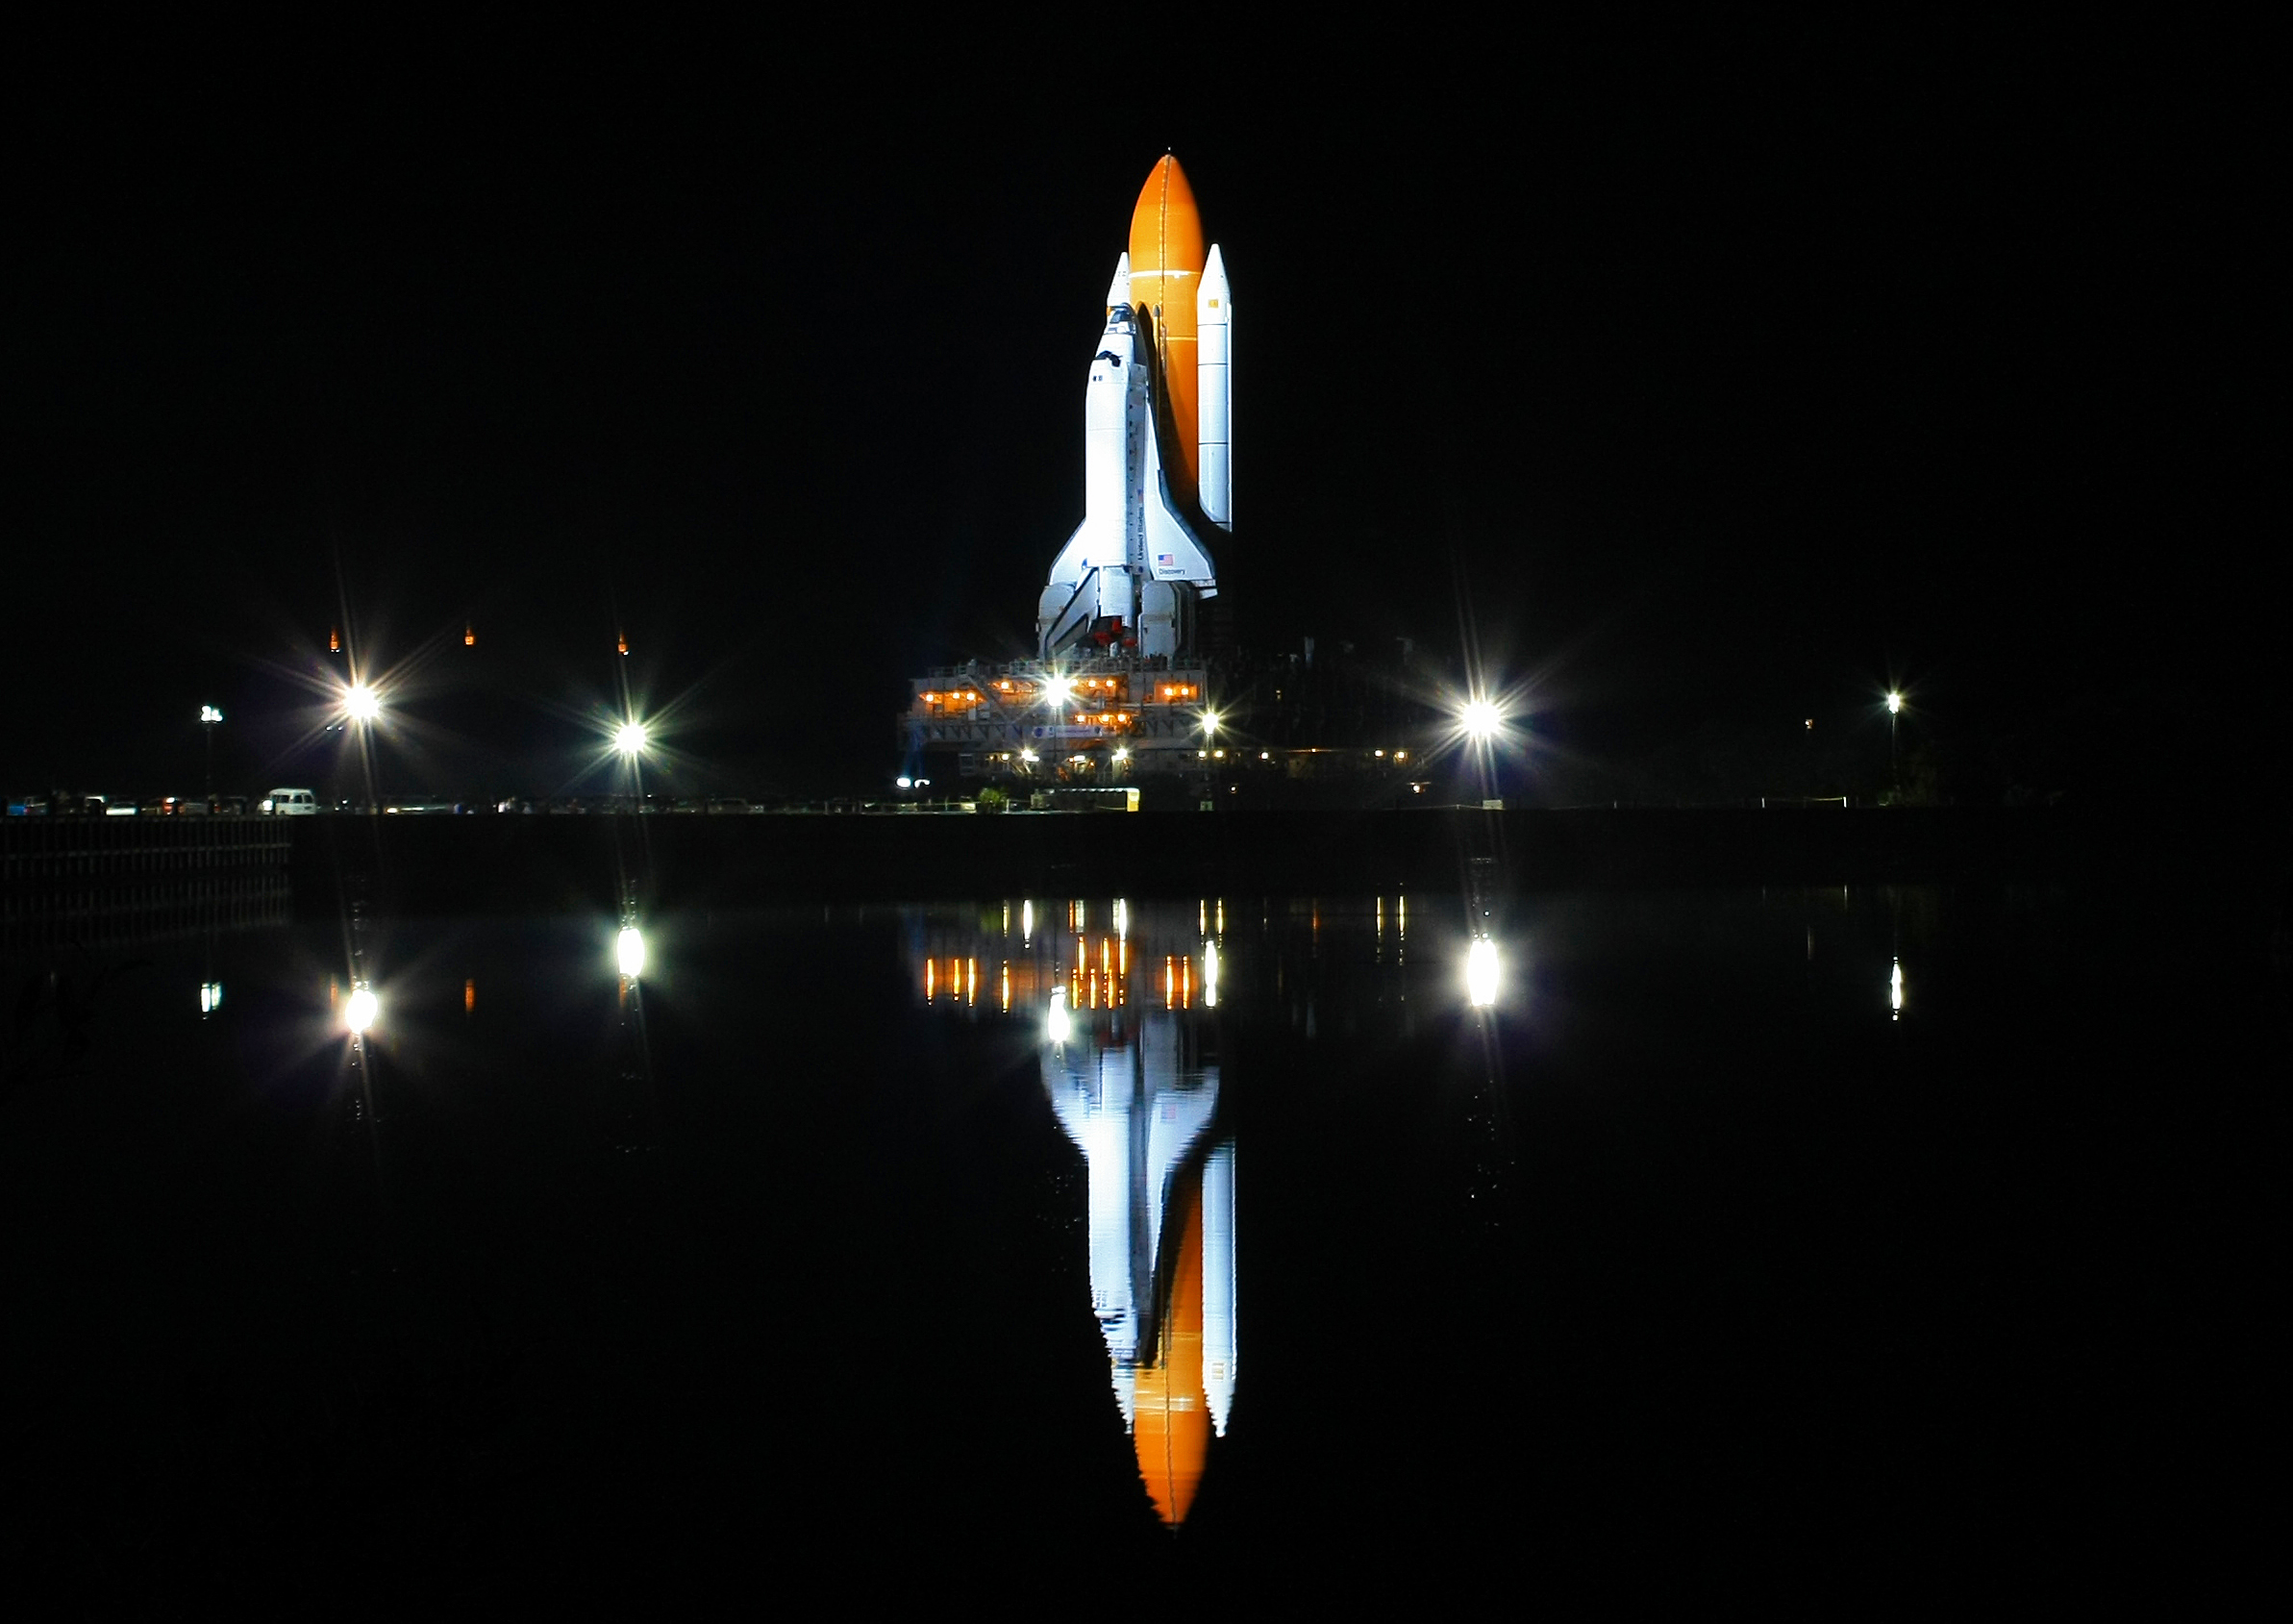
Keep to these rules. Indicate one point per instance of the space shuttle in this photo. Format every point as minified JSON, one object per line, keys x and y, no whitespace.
{"x":1161,"y":1219}
{"x":1157,"y":443}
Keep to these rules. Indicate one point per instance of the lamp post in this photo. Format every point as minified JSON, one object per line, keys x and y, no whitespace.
{"x":208,"y":716}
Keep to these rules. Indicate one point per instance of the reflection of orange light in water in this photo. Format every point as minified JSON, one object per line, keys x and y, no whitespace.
{"x":1172,"y":1432}
{"x":469,"y":996}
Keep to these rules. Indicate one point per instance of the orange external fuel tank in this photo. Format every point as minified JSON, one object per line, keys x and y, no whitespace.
{"x":1172,"y":1429}
{"x":1166,"y":262}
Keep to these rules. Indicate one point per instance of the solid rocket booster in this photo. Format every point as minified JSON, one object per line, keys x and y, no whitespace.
{"x":1154,"y":461}
{"x":1218,"y":1339}
{"x":1213,"y":323}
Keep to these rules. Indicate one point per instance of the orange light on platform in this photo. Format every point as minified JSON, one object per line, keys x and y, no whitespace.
{"x":621,"y":641}
{"x":333,"y":639}
{"x":469,"y":996}
{"x":469,"y":635}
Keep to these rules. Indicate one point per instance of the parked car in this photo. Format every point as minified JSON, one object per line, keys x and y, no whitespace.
{"x":291,"y":803}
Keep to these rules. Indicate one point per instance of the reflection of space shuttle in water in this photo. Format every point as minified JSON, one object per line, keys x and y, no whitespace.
{"x":1139,"y":1103}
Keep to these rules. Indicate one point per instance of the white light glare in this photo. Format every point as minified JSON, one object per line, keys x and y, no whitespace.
{"x":630,"y":739}
{"x":1056,"y":1025}
{"x":361,"y":703}
{"x":1480,"y":973}
{"x":358,"y":1013}
{"x":629,"y":952}
{"x":1210,"y":724}
{"x":1895,"y":989}
{"x":1481,"y":719}
{"x":1210,"y":975}
{"x":208,"y":713}
{"x":210,"y":997}
{"x":1058,"y":690}
{"x":1894,"y":704}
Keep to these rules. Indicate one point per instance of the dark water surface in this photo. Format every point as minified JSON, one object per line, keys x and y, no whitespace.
{"x":1708,"y":1259}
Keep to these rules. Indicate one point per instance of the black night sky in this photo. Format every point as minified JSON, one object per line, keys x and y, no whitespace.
{"x":1724,"y":375}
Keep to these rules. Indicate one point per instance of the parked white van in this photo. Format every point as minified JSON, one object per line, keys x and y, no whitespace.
{"x":291,"y":803}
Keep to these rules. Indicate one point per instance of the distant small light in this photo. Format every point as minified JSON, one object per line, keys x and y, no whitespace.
{"x":359,"y":1014}
{"x":210,"y":997}
{"x":629,"y":952}
{"x":1480,"y":973}
{"x":208,"y":713}
{"x":903,"y":782}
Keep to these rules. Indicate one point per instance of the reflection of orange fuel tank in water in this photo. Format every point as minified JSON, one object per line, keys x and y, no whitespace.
{"x":1172,"y":1425}
{"x":1166,"y":265}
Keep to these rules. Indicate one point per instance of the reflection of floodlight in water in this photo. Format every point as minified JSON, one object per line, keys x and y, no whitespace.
{"x":1210,"y":975}
{"x":629,"y":737}
{"x":1056,"y":1026}
{"x":360,"y":1012}
{"x":362,"y":703}
{"x":629,"y":951}
{"x":1480,"y":973}
{"x":1027,"y":921}
{"x":1895,"y":990}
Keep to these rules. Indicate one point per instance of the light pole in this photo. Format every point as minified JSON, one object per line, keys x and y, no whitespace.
{"x":1894,"y":711}
{"x":629,"y":738}
{"x":1482,"y":721}
{"x":208,"y":716}
{"x":362,"y":710}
